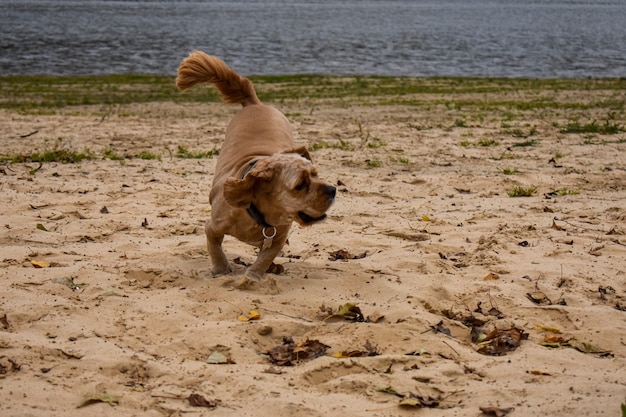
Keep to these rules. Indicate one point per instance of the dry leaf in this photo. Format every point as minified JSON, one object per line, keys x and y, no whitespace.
{"x":289,"y":352}
{"x":344,"y":255}
{"x":218,"y":358}
{"x":499,"y":342}
{"x":348,"y":311}
{"x":538,"y":372}
{"x":252,"y":315}
{"x":539,"y":298}
{"x":548,"y":329}
{"x":198,"y":400}
{"x":40,"y":264}
{"x":496,"y":411}
{"x":492,"y":277}
{"x":98,"y":397}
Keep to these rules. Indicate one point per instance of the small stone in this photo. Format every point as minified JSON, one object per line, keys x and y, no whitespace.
{"x":264,"y":330}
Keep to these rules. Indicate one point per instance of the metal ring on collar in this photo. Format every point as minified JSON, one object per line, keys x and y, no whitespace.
{"x":265,"y":234}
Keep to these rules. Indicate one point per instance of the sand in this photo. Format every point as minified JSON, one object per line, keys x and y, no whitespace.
{"x":108,"y":307}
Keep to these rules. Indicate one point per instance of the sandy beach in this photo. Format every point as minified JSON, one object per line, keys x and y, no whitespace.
{"x":467,"y":299}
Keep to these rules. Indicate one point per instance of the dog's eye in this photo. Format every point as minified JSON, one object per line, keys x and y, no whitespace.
{"x":302,"y":185}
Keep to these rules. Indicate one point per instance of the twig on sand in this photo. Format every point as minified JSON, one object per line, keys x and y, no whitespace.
{"x":287,"y":315}
{"x":34,"y":132}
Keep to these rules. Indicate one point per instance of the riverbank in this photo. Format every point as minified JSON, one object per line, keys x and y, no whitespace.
{"x":470,"y":209}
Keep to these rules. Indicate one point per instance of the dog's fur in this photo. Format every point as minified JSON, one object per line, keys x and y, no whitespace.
{"x":262,"y":182}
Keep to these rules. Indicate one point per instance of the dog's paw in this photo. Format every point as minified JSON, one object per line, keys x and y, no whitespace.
{"x":246,"y":283}
{"x":270,"y":286}
{"x":218,"y":272}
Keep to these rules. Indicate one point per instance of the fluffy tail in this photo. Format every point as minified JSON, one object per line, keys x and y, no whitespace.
{"x":199,"y":67}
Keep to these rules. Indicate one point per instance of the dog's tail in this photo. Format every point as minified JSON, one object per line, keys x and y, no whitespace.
{"x":199,"y":67}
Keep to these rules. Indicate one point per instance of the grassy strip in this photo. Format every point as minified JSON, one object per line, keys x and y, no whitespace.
{"x":66,"y":156}
{"x":33,"y":94}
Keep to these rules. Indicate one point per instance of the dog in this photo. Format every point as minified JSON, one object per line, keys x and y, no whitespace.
{"x":263,"y":182}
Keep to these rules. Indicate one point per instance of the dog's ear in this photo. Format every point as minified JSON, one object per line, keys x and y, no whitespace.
{"x":240,"y":192}
{"x":237,"y":192}
{"x":300,"y":151}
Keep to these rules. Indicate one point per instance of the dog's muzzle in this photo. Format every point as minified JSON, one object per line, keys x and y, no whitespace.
{"x":330,"y":192}
{"x":310,"y":219}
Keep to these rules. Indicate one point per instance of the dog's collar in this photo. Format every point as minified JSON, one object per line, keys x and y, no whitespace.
{"x":257,"y":216}
{"x":249,"y":168}
{"x":253,"y":211}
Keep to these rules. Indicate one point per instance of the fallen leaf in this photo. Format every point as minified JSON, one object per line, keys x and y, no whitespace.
{"x":548,"y":329}
{"x":348,"y":311}
{"x":491,"y":277}
{"x":41,"y":227}
{"x":411,"y":399}
{"x":419,"y":352}
{"x":344,"y":255}
{"x":499,"y":342}
{"x":197,"y":400}
{"x":69,"y":283}
{"x":440,"y":328}
{"x":539,"y":372}
{"x":252,"y":315}
{"x":539,"y":298}
{"x":370,"y":350}
{"x":99,"y":397}
{"x":425,"y":218}
{"x":496,"y":411}
{"x":289,"y":352}
{"x":218,"y":358}
{"x":553,"y":338}
{"x":585,"y":347}
{"x":40,"y":264}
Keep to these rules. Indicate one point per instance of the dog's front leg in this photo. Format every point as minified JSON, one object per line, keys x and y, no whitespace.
{"x":214,"y":241}
{"x":266,"y":256}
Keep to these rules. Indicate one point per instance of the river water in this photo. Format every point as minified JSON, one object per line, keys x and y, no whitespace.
{"x":507,"y":38}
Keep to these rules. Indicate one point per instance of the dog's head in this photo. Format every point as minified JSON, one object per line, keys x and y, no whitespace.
{"x":283,"y":187}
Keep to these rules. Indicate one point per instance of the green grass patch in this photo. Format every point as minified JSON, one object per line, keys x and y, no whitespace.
{"x":183,"y":152}
{"x":112,"y":155}
{"x":519,"y":191}
{"x":509,"y":171}
{"x":64,"y":156}
{"x":340,"y":144}
{"x":373,"y":163}
{"x":519,"y":133}
{"x":565,"y":191}
{"x":400,"y":159}
{"x":526,"y":143}
{"x":609,"y":127}
{"x":376,"y":143}
{"x":148,"y":155}
{"x":482,"y":142}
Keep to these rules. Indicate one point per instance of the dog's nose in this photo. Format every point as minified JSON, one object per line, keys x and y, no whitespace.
{"x":331,"y":191}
